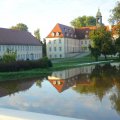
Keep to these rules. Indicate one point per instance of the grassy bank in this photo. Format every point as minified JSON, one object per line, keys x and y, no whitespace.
{"x":58,"y":64}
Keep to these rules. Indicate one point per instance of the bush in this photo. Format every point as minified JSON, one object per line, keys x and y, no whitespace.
{"x":24,"y":65}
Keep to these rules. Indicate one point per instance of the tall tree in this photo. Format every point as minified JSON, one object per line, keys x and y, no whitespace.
{"x":115,"y":13}
{"x":44,"y":47}
{"x":117,"y":44}
{"x":101,"y":41}
{"x":116,"y":29}
{"x":20,"y":26}
{"x":37,"y":34}
{"x":83,"y":21}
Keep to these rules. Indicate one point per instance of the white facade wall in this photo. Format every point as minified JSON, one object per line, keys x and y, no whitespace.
{"x":55,"y":47}
{"x":69,"y":47}
{"x":65,"y":74}
{"x":72,"y":47}
{"x":84,"y":45}
{"x":24,"y":52}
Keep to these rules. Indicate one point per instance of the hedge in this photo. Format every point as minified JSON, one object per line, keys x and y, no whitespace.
{"x":25,"y":65}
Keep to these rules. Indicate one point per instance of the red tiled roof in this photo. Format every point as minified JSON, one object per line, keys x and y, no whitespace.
{"x":17,"y":37}
{"x":69,"y":32}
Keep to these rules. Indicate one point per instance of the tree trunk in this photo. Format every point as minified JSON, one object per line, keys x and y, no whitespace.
{"x":105,"y":57}
{"x":96,"y":58}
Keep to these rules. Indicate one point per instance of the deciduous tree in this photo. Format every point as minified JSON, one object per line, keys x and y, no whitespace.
{"x":83,"y":21}
{"x":20,"y":26}
{"x":115,"y":15}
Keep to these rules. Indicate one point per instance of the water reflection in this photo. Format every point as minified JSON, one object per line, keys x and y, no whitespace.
{"x":91,"y":92}
{"x":62,"y":80}
{"x":97,"y":80}
{"x":12,"y":87}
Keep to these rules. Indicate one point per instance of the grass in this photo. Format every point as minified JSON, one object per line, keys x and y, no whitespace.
{"x":58,"y":64}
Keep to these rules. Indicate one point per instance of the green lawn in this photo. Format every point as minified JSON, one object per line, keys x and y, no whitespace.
{"x":58,"y":64}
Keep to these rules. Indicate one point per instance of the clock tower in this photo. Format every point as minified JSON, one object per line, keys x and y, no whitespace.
{"x":98,"y":18}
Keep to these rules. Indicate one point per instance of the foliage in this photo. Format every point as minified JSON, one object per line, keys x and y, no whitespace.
{"x":25,"y":65}
{"x":83,"y":21}
{"x":20,"y":26}
{"x":116,"y":29}
{"x":44,"y":47}
{"x":117,"y":44}
{"x":101,"y":42}
{"x":115,"y":15}
{"x":95,"y":52}
{"x":37,"y":34}
{"x":9,"y":56}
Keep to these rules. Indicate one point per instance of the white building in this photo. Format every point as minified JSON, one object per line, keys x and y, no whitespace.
{"x":26,"y":46}
{"x":64,"y":41}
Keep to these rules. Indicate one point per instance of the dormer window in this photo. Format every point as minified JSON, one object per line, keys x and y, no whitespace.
{"x":65,"y":29}
{"x":86,"y":36}
{"x":53,"y":33}
{"x":58,"y":34}
{"x":67,"y":34}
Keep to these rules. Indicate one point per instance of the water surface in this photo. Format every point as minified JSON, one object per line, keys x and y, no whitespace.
{"x":91,"y":92}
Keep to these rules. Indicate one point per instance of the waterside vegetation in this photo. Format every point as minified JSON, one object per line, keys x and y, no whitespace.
{"x":58,"y":64}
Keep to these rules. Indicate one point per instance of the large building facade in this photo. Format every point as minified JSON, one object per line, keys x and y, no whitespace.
{"x":64,"y":41}
{"x":26,"y":46}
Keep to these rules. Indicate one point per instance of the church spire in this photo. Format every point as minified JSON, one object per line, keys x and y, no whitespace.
{"x":98,"y":18}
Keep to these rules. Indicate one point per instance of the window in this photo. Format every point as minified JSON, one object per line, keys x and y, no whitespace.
{"x":60,"y":48}
{"x":55,"y":56}
{"x":54,"y":48}
{"x":85,"y":42}
{"x":53,"y":33}
{"x":49,"y":41}
{"x":58,"y":33}
{"x":54,"y":41}
{"x":50,"y":49}
{"x":60,"y":56}
{"x":86,"y":36}
{"x":59,"y":40}
{"x":50,"y":56}
{"x":81,"y":42}
{"x":65,"y":29}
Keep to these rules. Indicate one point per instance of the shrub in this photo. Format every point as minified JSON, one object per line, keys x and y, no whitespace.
{"x":24,"y":65}
{"x":9,"y":56}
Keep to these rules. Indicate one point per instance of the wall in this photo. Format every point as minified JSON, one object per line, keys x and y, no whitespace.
{"x":51,"y":44}
{"x":23,"y":52}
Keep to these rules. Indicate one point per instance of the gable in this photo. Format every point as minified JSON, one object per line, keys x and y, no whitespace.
{"x":56,"y":30}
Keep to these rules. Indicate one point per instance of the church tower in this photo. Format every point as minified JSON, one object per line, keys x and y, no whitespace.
{"x":98,"y":18}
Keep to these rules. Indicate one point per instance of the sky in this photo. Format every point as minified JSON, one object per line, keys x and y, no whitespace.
{"x":45,"y":14}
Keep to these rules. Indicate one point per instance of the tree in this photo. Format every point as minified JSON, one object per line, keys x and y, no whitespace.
{"x":44,"y":47}
{"x":9,"y":56}
{"x":37,"y":34}
{"x":20,"y":26}
{"x":117,"y":44}
{"x":83,"y":21}
{"x":95,"y":52}
{"x":115,"y":15}
{"x":101,"y":42}
{"x":116,"y":29}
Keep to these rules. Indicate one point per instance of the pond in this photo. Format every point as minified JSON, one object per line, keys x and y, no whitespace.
{"x":90,"y":92}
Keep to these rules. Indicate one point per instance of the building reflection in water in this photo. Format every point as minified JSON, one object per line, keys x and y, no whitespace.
{"x":62,"y":80}
{"x":16,"y":86}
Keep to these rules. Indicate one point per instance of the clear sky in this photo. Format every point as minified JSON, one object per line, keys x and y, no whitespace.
{"x":44,"y":14}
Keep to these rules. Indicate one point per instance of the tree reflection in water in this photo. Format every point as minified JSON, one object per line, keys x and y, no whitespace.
{"x":102,"y":80}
